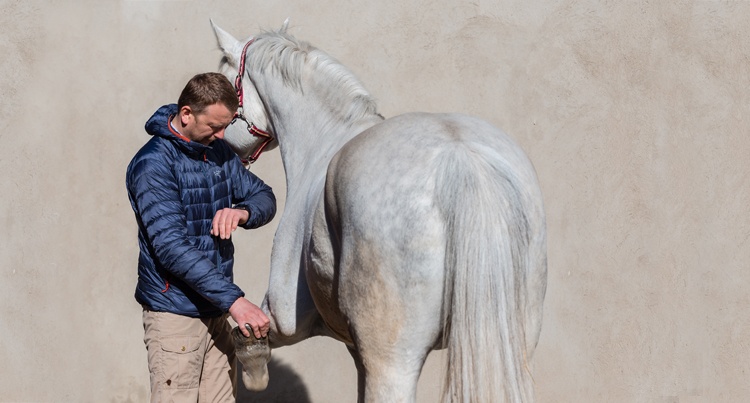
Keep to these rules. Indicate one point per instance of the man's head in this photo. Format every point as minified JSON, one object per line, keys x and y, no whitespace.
{"x":206,"y":107}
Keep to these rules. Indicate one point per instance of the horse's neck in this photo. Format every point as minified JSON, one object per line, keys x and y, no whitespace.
{"x":309,"y":135}
{"x":306,"y":163}
{"x":306,"y":152}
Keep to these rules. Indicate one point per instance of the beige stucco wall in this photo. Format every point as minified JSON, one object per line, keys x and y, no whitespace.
{"x":634,"y":112}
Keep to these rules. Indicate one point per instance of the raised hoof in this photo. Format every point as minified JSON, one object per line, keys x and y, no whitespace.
{"x":254,"y":355}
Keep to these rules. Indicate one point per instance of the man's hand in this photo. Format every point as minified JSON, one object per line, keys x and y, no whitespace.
{"x":226,"y":220}
{"x":244,"y":311}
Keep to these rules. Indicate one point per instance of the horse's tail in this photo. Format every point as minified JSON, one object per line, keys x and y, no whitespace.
{"x":487,"y":263}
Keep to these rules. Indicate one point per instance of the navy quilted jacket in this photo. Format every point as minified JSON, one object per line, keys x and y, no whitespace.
{"x":175,"y":188}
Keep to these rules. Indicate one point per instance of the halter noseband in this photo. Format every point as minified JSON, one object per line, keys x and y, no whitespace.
{"x":240,"y":114}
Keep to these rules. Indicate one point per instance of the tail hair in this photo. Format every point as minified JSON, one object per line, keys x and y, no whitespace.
{"x":485,"y":295}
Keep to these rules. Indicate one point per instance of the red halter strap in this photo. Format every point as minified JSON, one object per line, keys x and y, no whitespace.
{"x":240,"y":114}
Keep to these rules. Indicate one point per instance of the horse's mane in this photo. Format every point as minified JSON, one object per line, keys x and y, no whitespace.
{"x":288,"y":57}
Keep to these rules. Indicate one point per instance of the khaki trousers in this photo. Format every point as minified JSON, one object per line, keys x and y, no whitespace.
{"x":189,"y":359}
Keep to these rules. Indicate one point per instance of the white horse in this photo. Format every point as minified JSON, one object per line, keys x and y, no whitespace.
{"x":399,"y":236}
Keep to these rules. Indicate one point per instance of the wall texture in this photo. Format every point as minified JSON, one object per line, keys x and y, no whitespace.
{"x":635,"y":114}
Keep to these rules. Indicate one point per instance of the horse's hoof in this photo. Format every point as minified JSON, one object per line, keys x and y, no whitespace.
{"x":254,"y":355}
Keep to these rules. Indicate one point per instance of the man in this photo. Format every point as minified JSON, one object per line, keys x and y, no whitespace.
{"x":189,"y":192}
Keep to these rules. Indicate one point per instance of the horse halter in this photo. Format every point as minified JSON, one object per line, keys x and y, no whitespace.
{"x":240,"y":114}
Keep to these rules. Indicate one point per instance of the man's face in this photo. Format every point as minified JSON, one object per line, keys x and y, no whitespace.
{"x":208,"y":125}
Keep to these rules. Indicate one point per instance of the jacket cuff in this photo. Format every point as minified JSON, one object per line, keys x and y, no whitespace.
{"x":231,"y":298}
{"x":250,"y":213}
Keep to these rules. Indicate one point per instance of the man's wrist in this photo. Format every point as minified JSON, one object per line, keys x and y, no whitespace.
{"x":243,"y":208}
{"x":236,"y":304}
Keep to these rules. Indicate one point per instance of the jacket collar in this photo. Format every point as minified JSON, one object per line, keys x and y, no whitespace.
{"x":159,"y":125}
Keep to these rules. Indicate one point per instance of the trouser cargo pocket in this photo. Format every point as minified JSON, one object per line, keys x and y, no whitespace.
{"x":181,"y":361}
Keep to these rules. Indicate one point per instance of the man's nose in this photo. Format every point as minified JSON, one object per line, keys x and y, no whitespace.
{"x":220,"y":134}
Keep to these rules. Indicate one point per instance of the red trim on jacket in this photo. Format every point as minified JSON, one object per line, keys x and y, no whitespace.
{"x":173,"y":131}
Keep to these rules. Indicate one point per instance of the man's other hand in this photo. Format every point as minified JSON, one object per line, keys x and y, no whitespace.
{"x":226,"y":221}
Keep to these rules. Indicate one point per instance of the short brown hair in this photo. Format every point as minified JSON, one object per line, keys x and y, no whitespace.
{"x":206,"y":89}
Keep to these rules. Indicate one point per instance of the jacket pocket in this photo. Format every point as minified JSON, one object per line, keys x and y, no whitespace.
{"x":182,"y":361}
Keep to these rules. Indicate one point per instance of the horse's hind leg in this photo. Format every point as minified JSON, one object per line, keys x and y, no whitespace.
{"x":387,"y":376}
{"x":360,"y":374}
{"x":393,"y":328}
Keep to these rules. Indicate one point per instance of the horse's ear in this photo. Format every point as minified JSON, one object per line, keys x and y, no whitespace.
{"x":284,"y":26}
{"x":227,"y":43}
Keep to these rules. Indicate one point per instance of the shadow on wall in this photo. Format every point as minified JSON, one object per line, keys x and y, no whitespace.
{"x":284,"y":386}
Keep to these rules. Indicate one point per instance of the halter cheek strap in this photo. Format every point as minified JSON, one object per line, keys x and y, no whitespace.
{"x":240,"y":114}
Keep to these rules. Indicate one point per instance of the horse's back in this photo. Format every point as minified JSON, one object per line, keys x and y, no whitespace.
{"x":407,"y":152}
{"x":404,"y":137}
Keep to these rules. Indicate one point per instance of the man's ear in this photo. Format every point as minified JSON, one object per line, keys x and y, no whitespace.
{"x":186,"y":114}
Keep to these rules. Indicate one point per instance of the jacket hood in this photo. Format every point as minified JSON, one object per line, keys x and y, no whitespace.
{"x":158,"y":125}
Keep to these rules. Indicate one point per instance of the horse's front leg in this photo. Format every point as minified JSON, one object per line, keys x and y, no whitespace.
{"x":254,"y":354}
